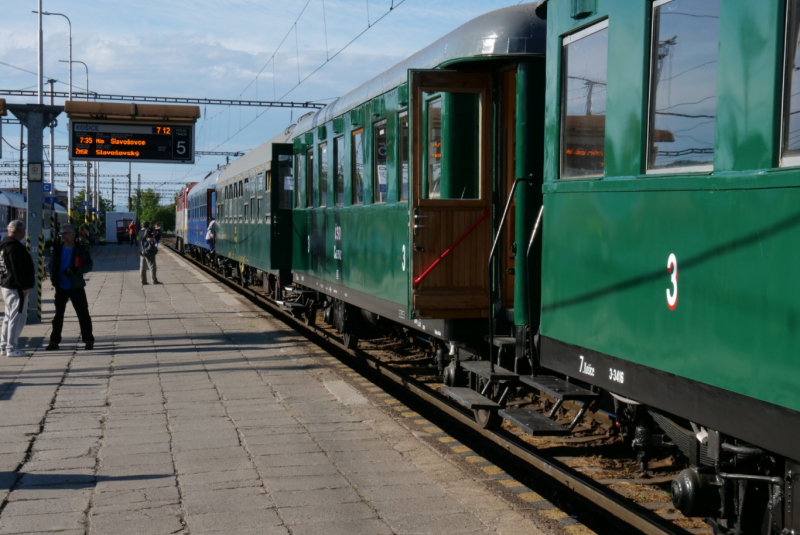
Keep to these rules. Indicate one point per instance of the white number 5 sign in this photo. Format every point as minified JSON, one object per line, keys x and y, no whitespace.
{"x":672,"y":294}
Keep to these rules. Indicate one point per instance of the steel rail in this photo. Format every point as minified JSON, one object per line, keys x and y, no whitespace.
{"x":630,"y":513}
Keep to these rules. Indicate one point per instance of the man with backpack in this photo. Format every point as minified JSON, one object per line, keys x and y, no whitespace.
{"x":148,"y":252}
{"x":16,"y":278}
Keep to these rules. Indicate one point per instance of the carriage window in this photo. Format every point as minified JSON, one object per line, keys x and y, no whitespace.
{"x":298,"y":168}
{"x":452,"y":149}
{"x":285,"y":181}
{"x":323,"y":174}
{"x":403,"y":156}
{"x":684,"y":85}
{"x":583,"y":102}
{"x":311,"y":190}
{"x":358,"y":166}
{"x":338,"y":157}
{"x":791,"y":122}
{"x":434,"y":148}
{"x":379,"y":162}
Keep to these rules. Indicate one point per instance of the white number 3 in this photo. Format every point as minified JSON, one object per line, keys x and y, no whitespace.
{"x":672,"y":295}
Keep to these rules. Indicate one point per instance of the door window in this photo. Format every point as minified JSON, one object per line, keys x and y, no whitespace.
{"x":583,"y":102}
{"x":452,"y":170}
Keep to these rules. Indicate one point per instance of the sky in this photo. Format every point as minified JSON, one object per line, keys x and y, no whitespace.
{"x":231,"y":49}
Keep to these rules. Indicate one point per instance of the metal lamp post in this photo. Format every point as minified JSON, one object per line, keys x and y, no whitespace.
{"x":71,"y":169}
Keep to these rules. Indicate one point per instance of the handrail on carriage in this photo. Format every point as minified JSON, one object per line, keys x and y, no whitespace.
{"x":530,"y":180}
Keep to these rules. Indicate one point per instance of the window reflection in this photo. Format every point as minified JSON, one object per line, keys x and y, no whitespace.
{"x":338,"y":156}
{"x":285,"y":181}
{"x":323,"y":174}
{"x":379,"y":159}
{"x":310,"y":188}
{"x":583,"y":125}
{"x":684,"y":85}
{"x":791,"y":135}
{"x":434,"y":148}
{"x":358,"y":166}
{"x":403,"y":156}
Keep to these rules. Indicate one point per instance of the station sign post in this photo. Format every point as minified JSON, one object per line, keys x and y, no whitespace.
{"x":35,"y":117}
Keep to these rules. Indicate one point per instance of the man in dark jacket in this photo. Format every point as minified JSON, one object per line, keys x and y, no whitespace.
{"x":69,"y":262}
{"x":147,"y":254}
{"x":16,"y":278}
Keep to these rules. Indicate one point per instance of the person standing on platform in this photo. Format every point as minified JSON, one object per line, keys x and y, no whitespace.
{"x":147,"y":253}
{"x":16,"y":279}
{"x":68,"y":264}
{"x":156,"y":233}
{"x":132,"y":233}
{"x":211,"y":234}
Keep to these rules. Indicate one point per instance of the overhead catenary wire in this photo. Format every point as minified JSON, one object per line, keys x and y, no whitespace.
{"x":312,"y":73}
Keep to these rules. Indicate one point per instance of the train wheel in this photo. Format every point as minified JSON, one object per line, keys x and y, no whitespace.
{"x":350,"y":340}
{"x":310,"y":314}
{"x":488,"y":419}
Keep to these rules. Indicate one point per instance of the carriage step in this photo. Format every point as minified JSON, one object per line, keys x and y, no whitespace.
{"x":504,"y":342}
{"x":469,"y":398}
{"x":288,"y":305}
{"x":558,"y":388}
{"x":481,"y":367}
{"x":534,"y":423}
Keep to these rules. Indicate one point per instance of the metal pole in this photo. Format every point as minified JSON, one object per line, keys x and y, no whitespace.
{"x":138,"y":196}
{"x":129,"y":186}
{"x":52,"y":169}
{"x":87,"y":194}
{"x":96,"y":196}
{"x":71,"y":170}
{"x":52,"y":140}
{"x":41,"y":56}
{"x":112,"y":194}
{"x":21,"y":146}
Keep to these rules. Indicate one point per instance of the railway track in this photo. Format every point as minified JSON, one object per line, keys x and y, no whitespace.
{"x":592,"y":467}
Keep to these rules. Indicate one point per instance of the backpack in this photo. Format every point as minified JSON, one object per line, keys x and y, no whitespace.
{"x":149,"y":249}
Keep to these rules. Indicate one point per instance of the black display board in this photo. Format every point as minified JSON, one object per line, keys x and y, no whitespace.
{"x":134,"y":141}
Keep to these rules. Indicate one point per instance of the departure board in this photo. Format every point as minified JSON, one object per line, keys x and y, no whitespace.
{"x":165,"y":142}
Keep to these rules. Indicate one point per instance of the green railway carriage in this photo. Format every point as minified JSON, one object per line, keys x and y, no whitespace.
{"x":396,"y":182}
{"x":671,"y":232}
{"x":254,"y":211}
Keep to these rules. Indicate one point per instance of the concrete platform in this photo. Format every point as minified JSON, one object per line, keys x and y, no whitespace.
{"x":199,"y":413}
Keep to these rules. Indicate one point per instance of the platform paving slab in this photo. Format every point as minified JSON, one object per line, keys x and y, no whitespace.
{"x":199,"y":413}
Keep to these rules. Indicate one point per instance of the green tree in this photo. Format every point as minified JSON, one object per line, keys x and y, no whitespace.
{"x":105,"y":206}
{"x":151,"y":209}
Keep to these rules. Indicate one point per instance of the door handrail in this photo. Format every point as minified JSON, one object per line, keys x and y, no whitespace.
{"x":449,"y":250}
{"x":530,"y":179}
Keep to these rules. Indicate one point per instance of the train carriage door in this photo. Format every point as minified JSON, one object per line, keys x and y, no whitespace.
{"x":451,"y":125}
{"x":278,"y":214}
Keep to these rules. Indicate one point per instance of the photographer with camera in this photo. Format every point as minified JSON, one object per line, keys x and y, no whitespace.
{"x":69,"y":262}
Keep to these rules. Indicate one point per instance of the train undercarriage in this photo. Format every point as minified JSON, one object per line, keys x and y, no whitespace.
{"x":736,"y":487}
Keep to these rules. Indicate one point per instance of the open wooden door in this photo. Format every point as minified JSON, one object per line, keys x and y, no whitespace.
{"x":451,"y":124}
